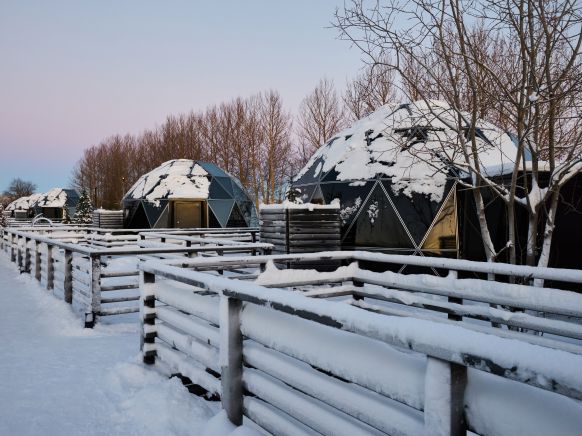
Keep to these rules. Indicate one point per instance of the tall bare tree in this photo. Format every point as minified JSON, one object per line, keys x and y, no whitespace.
{"x":320,"y":116}
{"x":277,"y":157}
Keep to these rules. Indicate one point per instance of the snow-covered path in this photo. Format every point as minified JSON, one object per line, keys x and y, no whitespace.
{"x":59,"y":378}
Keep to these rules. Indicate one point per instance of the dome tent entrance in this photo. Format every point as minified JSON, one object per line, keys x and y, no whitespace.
{"x":186,"y":193}
{"x":395,"y":174}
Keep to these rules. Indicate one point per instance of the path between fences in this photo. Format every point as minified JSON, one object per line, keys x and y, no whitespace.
{"x":58,"y":378}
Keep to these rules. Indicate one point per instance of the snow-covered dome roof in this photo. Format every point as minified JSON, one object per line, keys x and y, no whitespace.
{"x":56,"y":197}
{"x":178,"y":178}
{"x":413,"y":144}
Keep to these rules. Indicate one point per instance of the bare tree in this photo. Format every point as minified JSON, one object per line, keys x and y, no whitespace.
{"x":320,"y":116}
{"x":19,"y":188}
{"x":515,"y":63}
{"x":373,"y":88}
{"x":277,"y":156}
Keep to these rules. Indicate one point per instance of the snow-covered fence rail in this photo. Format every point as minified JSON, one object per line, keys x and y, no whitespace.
{"x":298,"y":365}
{"x":97,"y":281}
{"x":519,"y":307}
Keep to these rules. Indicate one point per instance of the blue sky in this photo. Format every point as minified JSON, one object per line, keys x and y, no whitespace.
{"x":75,"y":72}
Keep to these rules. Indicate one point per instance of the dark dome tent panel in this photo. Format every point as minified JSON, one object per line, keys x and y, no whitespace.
{"x":187,"y":193}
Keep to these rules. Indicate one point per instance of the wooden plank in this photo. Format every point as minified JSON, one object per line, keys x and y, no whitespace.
{"x":445,"y":384}
{"x":119,"y":287}
{"x":231,"y":359}
{"x":192,"y":325}
{"x":274,"y":420}
{"x":118,"y":311}
{"x":119,"y":299}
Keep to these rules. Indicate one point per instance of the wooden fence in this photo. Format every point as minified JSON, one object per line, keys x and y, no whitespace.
{"x":301,"y":228}
{"x":91,"y":272}
{"x":299,"y":365}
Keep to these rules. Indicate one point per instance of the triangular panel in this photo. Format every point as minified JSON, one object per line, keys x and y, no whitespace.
{"x":317,"y":197}
{"x":378,"y":225}
{"x":163,"y":221}
{"x":221,"y":209}
{"x":153,"y":211}
{"x":236,"y":218}
{"x":217,"y":191}
{"x":139,"y":220}
{"x":212,"y":221}
{"x":225,"y":182}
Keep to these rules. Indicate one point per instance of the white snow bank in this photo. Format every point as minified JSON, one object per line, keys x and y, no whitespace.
{"x":58,"y":378}
{"x":150,"y":404}
{"x":220,"y":425}
{"x":178,"y":178}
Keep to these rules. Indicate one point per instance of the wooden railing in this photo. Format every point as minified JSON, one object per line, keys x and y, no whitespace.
{"x":98,"y":281}
{"x":299,"y":365}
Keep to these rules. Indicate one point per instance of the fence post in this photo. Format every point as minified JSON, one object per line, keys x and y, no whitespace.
{"x":27,"y":255}
{"x":20,"y":257}
{"x":50,"y":267}
{"x":90,"y":316}
{"x":148,"y":317}
{"x":231,"y":359}
{"x":37,"y":260}
{"x":453,"y":276}
{"x":444,"y":389}
{"x":68,"y":283}
{"x":12,"y":249}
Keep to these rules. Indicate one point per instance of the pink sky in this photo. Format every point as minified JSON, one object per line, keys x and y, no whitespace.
{"x":75,"y":72}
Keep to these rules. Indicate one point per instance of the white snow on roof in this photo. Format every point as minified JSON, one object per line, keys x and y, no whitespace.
{"x":379,"y":144}
{"x":178,"y":178}
{"x":335,"y":204}
{"x":56,"y":197}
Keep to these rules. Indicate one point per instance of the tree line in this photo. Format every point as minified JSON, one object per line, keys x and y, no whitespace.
{"x":256,"y":139}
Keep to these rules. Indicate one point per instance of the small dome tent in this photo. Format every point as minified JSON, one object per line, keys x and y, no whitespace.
{"x":188,"y":194}
{"x":392,"y":173}
{"x":51,"y":204}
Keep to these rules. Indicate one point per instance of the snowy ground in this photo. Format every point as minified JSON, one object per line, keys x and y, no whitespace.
{"x":59,"y":378}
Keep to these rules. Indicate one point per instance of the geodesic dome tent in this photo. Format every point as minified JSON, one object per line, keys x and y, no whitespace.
{"x":51,"y":204}
{"x":188,"y":194}
{"x":395,"y":174}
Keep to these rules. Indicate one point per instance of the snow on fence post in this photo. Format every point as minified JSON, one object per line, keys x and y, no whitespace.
{"x":68,"y":282}
{"x":444,"y":390}
{"x":50,"y":267}
{"x":37,"y":260}
{"x":90,"y":316}
{"x":148,"y":317}
{"x":231,"y":361}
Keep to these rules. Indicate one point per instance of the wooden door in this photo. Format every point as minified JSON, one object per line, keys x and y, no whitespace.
{"x":187,"y":214}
